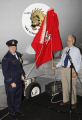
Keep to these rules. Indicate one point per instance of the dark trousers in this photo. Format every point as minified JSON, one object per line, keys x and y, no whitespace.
{"x":14,"y":98}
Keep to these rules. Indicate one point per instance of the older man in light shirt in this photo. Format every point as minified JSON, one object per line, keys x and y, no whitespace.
{"x":75,"y":54}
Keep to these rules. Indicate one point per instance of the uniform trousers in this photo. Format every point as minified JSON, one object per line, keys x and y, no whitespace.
{"x":14,"y":98}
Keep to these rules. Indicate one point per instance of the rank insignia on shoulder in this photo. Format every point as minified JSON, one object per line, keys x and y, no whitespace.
{"x":21,"y":59}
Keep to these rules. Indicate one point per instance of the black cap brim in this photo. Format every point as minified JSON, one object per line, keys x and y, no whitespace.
{"x":12,"y":42}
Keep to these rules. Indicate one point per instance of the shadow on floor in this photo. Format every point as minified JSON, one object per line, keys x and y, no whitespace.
{"x":41,"y":108}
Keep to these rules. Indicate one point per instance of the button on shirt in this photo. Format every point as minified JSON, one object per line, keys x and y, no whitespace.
{"x":75,"y":56}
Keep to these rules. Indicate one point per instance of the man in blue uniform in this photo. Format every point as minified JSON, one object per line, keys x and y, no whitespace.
{"x":13,"y":72}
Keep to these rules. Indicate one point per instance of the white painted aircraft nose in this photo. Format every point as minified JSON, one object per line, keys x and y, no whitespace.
{"x":30,"y":50}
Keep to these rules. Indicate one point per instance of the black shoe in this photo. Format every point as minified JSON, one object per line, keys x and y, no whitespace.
{"x":74,"y":106}
{"x":13,"y":117}
{"x":64,"y":104}
{"x":20,"y":114}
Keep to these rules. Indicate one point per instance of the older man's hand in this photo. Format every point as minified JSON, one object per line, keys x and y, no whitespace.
{"x":74,"y":75}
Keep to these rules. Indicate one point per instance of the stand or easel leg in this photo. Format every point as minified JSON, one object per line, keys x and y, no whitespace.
{"x":70,"y":94}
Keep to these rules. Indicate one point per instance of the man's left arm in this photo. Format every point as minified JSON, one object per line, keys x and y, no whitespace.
{"x":21,"y":62}
{"x":22,"y":72}
{"x":77,"y":59}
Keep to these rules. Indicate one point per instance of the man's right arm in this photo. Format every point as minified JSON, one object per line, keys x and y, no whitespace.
{"x":61,"y":60}
{"x":6,"y":72}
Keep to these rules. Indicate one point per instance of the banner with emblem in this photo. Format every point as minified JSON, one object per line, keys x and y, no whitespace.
{"x":47,"y":41}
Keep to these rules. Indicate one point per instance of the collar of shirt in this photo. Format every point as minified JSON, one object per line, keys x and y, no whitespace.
{"x":13,"y":53}
{"x":70,"y":47}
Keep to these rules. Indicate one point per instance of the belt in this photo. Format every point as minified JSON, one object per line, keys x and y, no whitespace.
{"x":66,"y":67}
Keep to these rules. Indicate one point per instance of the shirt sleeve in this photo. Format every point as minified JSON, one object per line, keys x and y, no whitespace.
{"x":22,"y":72}
{"x":61,"y":60}
{"x":7,"y":74}
{"x":77,"y":59}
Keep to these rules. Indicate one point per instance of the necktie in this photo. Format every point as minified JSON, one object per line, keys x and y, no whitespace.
{"x":66,"y":59}
{"x":16,"y":56}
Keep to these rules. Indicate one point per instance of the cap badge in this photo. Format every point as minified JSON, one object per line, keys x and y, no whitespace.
{"x":13,"y":42}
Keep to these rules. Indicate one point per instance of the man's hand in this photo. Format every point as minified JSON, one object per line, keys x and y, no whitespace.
{"x":74,"y":75}
{"x":13,"y":85}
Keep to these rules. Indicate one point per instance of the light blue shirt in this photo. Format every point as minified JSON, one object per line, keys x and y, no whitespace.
{"x":75,"y":56}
